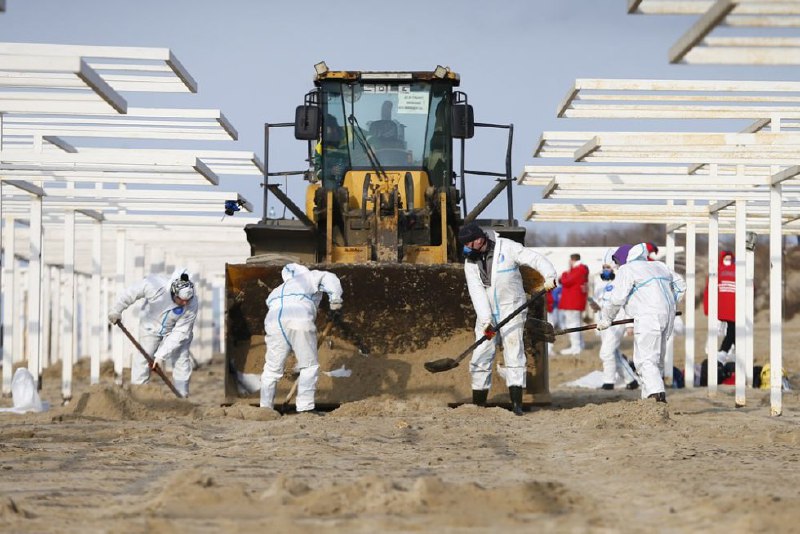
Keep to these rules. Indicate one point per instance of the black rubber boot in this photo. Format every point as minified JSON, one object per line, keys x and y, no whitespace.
{"x":607,"y":386}
{"x":479,"y":396}
{"x":632,"y":385}
{"x":659,"y":397}
{"x":515,"y":392}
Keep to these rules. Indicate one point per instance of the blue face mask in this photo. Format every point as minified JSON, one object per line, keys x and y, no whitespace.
{"x":467,"y":251}
{"x":178,"y":310}
{"x":607,"y":274}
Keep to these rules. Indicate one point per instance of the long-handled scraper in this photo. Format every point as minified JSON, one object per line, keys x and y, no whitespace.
{"x":445,"y":364}
{"x":544,"y":331}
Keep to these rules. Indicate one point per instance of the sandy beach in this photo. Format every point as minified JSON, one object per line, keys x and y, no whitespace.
{"x":594,"y":461}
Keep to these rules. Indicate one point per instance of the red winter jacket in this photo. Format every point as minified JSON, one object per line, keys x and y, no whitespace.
{"x":726,"y":310}
{"x":575,"y":283}
{"x":551,"y":303}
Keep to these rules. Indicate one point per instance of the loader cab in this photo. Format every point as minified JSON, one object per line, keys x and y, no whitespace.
{"x":398,"y":124}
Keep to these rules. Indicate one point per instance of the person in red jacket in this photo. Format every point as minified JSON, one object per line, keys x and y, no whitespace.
{"x":726,"y":304}
{"x":575,"y":284}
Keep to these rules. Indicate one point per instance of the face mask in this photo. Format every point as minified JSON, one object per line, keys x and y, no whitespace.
{"x":607,"y":274}
{"x":178,"y":310}
{"x":727,"y":262}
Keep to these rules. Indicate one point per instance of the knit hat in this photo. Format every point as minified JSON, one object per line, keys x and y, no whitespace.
{"x":470,"y":232}
{"x":621,"y":255}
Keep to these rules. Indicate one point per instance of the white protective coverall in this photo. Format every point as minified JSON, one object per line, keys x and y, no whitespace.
{"x":290,"y":326}
{"x":649,"y":292}
{"x":494,"y":303}
{"x":610,"y":338}
{"x":165,"y":328}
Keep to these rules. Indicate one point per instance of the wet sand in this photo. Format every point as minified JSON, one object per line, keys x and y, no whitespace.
{"x":141,"y":461}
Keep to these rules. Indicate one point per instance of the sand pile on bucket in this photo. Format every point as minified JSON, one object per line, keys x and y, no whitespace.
{"x":464,"y":504}
{"x":141,"y":402}
{"x":388,"y":406}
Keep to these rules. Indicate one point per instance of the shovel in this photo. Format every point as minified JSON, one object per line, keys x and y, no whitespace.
{"x":150,"y":360}
{"x":325,"y":333}
{"x":544,"y":331}
{"x":445,"y":364}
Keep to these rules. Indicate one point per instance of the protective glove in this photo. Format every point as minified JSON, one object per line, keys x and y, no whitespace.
{"x":549,"y":283}
{"x":604,"y":324}
{"x":158,"y":361}
{"x":335,"y":315}
{"x":335,"y":305}
{"x":114,"y":317}
{"x":488,"y":329}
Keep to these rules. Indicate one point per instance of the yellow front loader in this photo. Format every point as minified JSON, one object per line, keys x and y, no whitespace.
{"x":382,"y":209}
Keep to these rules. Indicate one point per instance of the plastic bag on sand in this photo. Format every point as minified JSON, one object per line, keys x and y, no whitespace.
{"x":341,"y":372}
{"x":24,"y":394}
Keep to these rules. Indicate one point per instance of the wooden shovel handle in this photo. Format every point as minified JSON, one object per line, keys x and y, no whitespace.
{"x":150,"y":360}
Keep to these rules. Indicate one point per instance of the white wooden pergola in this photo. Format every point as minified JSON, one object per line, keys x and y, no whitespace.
{"x":52,"y":95}
{"x":696,"y":168}
{"x":754,"y":35}
{"x":756,"y":208}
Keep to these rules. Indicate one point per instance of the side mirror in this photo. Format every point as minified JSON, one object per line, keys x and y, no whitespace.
{"x":463,"y":125}
{"x":306,"y":123}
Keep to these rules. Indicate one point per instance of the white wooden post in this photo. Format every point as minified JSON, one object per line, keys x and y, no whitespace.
{"x":750,"y":261}
{"x":20,"y":318}
{"x":669,"y":358}
{"x":68,"y":307}
{"x":94,"y":306}
{"x":741,"y":300}
{"x":206,"y":325}
{"x":83,"y":298}
{"x":222,"y":316}
{"x":775,"y":298}
{"x":9,"y":283}
{"x":134,"y":271}
{"x":104,"y":299}
{"x":689,"y":319}
{"x":117,"y":342}
{"x":713,"y":301}
{"x":55,"y":327}
{"x":46,"y":300}
{"x":35,"y":291}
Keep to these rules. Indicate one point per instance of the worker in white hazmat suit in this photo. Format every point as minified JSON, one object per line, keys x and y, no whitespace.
{"x":649,"y":292}
{"x":290,"y":326}
{"x":610,"y":338}
{"x":166,"y":323}
{"x":492,"y":272}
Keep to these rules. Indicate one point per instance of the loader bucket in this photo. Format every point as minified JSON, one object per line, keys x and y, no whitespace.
{"x":401,"y":315}
{"x":288,"y":239}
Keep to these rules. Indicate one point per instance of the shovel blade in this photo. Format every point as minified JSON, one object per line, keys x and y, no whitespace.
{"x":443,"y":364}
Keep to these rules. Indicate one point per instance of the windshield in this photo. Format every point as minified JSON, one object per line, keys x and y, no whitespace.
{"x":407,"y":126}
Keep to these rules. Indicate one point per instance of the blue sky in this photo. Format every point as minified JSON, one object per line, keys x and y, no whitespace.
{"x":253,"y":59}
